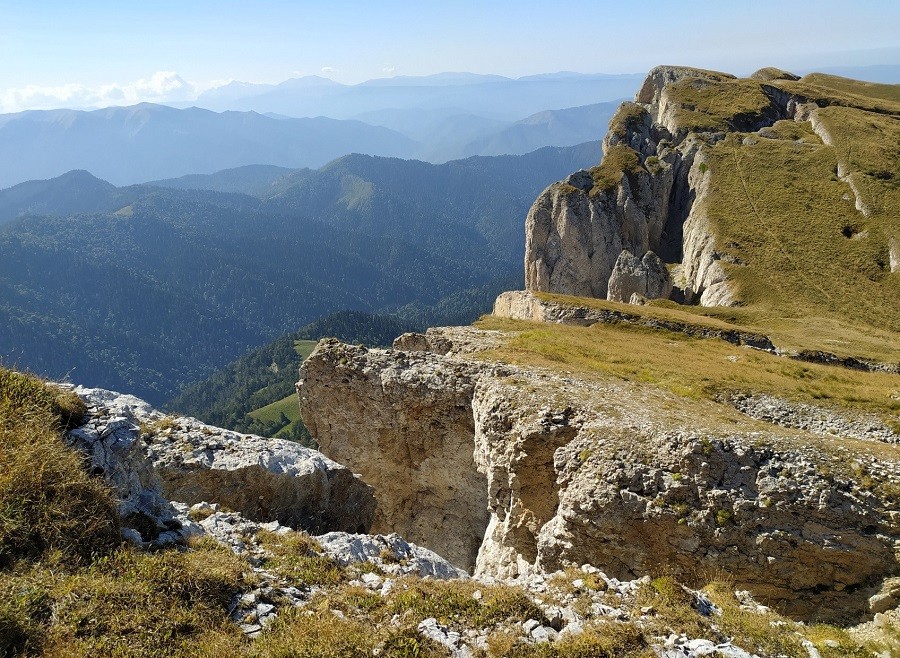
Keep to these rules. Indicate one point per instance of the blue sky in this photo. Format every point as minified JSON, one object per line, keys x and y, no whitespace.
{"x":158,"y":48}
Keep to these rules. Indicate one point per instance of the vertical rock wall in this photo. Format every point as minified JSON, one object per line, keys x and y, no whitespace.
{"x":508,"y":471}
{"x":404,"y":421}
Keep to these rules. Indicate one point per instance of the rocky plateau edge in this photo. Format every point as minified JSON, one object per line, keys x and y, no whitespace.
{"x":510,"y":471}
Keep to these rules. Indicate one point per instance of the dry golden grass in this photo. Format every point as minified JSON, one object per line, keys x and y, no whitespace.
{"x":857,"y":88}
{"x":47,"y":501}
{"x":691,"y":367}
{"x":804,"y":250}
{"x":128,"y":603}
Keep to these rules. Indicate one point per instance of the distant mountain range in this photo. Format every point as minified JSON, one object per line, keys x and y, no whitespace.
{"x":148,"y":288}
{"x":144,"y":142}
{"x":489,"y":96}
{"x":132,"y":144}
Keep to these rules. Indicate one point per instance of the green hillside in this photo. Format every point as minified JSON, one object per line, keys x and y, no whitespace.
{"x":255,"y":393}
{"x":152,"y":299}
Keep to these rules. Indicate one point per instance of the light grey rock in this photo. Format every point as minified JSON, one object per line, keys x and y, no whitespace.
{"x":819,"y":419}
{"x":415,"y":448}
{"x":543,"y":634}
{"x":646,"y":277}
{"x":182,"y":459}
{"x":110,"y":439}
{"x":581,"y":179}
{"x":529,"y":625}
{"x":573,"y":237}
{"x":264,"y":479}
{"x":441,"y":634}
{"x":525,"y":305}
{"x":391,"y":553}
{"x":886,"y":599}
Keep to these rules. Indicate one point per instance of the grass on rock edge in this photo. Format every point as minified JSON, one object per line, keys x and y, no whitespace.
{"x":68,"y":588}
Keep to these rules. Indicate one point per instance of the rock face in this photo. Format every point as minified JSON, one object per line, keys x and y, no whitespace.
{"x":111,"y":441}
{"x":651,"y":191}
{"x":647,"y":277}
{"x":415,"y":447}
{"x":151,"y":459}
{"x":534,"y":471}
{"x":574,"y":235}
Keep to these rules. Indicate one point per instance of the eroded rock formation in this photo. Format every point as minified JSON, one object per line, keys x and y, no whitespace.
{"x":151,"y":459}
{"x":651,"y":190}
{"x":534,"y":470}
{"x":647,"y":277}
{"x":415,"y":447}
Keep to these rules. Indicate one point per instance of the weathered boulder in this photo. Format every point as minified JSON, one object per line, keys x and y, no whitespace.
{"x":647,"y":277}
{"x":544,"y":470}
{"x":151,"y":459}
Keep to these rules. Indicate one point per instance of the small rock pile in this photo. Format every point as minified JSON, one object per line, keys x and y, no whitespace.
{"x":785,"y":413}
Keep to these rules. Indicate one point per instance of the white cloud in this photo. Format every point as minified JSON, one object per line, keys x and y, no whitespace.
{"x":161,"y":87}
{"x":389,"y":69}
{"x":328,"y":69}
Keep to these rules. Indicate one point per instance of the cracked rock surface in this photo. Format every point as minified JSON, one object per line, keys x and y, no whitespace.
{"x":151,"y":459}
{"x":531,"y":471}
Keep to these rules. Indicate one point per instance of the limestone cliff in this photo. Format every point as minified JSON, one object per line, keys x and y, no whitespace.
{"x":509,"y":470}
{"x":415,"y":447}
{"x":653,"y":188}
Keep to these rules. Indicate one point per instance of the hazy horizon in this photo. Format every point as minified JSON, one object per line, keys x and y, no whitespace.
{"x":98,"y":53}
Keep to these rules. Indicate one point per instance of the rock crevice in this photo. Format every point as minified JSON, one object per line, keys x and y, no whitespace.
{"x":539,"y":471}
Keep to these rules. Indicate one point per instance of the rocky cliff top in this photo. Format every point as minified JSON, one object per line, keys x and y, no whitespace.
{"x":575,"y":464}
{"x":773,"y":193}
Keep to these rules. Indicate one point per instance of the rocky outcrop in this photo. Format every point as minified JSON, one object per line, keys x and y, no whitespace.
{"x":647,"y":277}
{"x":151,"y":459}
{"x":415,"y":447}
{"x":544,"y":470}
{"x":652,"y":189}
{"x":574,"y":235}
{"x":525,"y":305}
{"x":110,"y":440}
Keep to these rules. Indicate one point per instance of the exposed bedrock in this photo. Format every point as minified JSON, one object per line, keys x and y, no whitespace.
{"x":150,"y":459}
{"x":647,"y":277}
{"x":578,"y":228}
{"x":403,"y":420}
{"x":508,"y":470}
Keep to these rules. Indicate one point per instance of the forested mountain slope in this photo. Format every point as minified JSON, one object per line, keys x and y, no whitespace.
{"x":176,"y":283}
